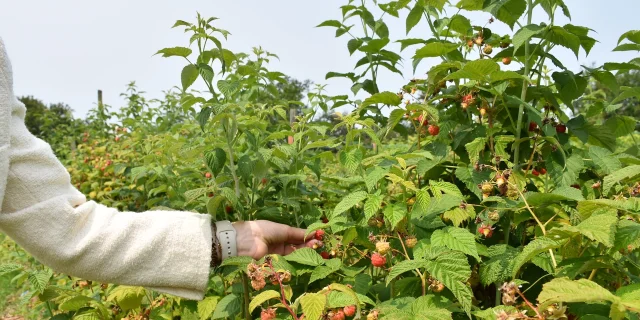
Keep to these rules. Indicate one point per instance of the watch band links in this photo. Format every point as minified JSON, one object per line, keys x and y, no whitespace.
{"x":226,"y":234}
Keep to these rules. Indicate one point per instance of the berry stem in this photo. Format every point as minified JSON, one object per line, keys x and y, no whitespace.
{"x":523,"y":94}
{"x":282,"y":294}
{"x":529,"y":304}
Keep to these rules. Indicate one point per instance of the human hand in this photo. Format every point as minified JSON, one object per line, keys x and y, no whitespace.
{"x":261,"y":237}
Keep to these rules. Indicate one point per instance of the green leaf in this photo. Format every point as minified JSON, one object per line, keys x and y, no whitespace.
{"x":9,"y":267}
{"x":374,"y":46}
{"x":630,"y":297}
{"x":414,"y":16}
{"x":395,"y":213}
{"x":566,"y":291}
{"x":349,"y":201}
{"x":227,"y":87}
{"x":216,"y":160}
{"x":627,"y":92}
{"x":372,"y":178}
{"x":262,"y":298}
{"x":531,"y":250}
{"x":75,"y":303}
{"x":631,"y":35}
{"x":322,"y":272}
{"x":452,"y":269}
{"x":456,"y":239}
{"x":628,"y":234}
{"x":203,"y":117}
{"x":127,"y":297}
{"x":313,"y":305}
{"x":627,"y":47}
{"x":475,"y":147}
{"x":567,"y":174}
{"x":175,"y":51}
{"x":523,"y":35}
{"x":207,"y":306}
{"x":460,"y":24}
{"x":404,"y":266}
{"x":479,"y":70}
{"x":629,"y":172}
{"x":330,"y":23}
{"x":507,"y":11}
{"x":40,"y":280}
{"x":604,"y":160}
{"x":229,"y":306}
{"x":498,"y":268}
{"x":435,"y":49}
{"x":351,"y":160}
{"x":386,"y":98}
{"x":601,"y":228}
{"x":471,"y":178}
{"x":306,"y":256}
{"x":621,"y":125}
{"x":372,"y":205}
{"x":459,"y":215}
{"x":442,"y":187}
{"x":188,"y":76}
{"x":570,"y":86}
{"x":353,"y":45}
{"x":337,"y":299}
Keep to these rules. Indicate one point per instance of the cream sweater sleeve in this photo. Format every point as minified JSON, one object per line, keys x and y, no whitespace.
{"x":168,"y":251}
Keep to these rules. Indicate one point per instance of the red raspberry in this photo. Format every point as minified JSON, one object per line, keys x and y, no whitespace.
{"x":486,"y":230}
{"x":349,"y":311}
{"x":228,"y":209}
{"x":378,"y":260}
{"x":561,"y":128}
{"x":207,"y":175}
{"x":268,"y":314}
{"x":535,"y":172}
{"x":319,"y":234}
{"x":532,"y":126}
{"x":336,"y":315}
{"x":543,"y":171}
{"x":422,"y":120}
{"x":325,"y":255}
{"x":434,"y":130}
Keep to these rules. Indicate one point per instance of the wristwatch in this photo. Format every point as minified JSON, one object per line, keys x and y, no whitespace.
{"x":226,"y":234}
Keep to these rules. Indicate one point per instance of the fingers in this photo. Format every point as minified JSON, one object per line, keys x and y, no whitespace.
{"x":309,"y":244}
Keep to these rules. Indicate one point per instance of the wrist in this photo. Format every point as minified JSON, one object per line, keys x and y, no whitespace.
{"x":225,"y":234}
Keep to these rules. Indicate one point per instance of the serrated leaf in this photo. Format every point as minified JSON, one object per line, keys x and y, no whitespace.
{"x":228,"y":306}
{"x":456,"y":239}
{"x":306,"y":256}
{"x":351,"y":160}
{"x":40,"y":280}
{"x":604,"y":159}
{"x":629,"y":172}
{"x":601,"y":228}
{"x":349,"y":201}
{"x":175,"y":51}
{"x":628,"y":234}
{"x":372,"y":205}
{"x":386,"y":98}
{"x":188,"y":76}
{"x":373,"y":177}
{"x":395,"y":213}
{"x":74,"y":303}
{"x":507,"y":11}
{"x":459,"y":215}
{"x":322,"y":272}
{"x":532,"y":249}
{"x":262,"y":298}
{"x":452,"y":269}
{"x":475,"y":147}
{"x":127,"y":297}
{"x":207,"y":306}
{"x":523,"y":35}
{"x":9,"y":267}
{"x":435,"y":49}
{"x":414,"y":16}
{"x":442,"y":187}
{"x":404,"y":266}
{"x":313,"y":305}
{"x":498,"y":267}
{"x":566,"y":291}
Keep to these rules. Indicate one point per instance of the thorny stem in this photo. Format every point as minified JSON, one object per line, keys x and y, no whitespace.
{"x":523,"y":95}
{"x":282,"y":294}
{"x":245,"y":288}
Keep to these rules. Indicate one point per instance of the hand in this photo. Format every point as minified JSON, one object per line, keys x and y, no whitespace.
{"x":261,"y":237}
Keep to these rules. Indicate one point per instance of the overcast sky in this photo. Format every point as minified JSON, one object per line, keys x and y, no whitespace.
{"x":65,"y":50}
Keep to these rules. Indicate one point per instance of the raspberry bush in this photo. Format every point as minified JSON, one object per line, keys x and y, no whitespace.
{"x":495,"y":184}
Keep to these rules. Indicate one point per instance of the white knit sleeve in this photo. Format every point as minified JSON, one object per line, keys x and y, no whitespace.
{"x":169,"y":251}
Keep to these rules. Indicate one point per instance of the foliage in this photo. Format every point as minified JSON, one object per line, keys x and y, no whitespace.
{"x":478,"y":191}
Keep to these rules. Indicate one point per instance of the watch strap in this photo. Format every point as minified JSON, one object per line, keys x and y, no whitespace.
{"x":226,"y":234}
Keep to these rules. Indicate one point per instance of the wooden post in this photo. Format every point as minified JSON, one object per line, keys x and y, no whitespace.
{"x":292,"y":119}
{"x":99,"y":97}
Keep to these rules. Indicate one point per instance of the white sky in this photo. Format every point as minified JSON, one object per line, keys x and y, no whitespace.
{"x":65,"y":50}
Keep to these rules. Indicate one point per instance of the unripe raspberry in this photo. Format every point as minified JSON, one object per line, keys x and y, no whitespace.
{"x":378,"y":260}
{"x":383,"y":247}
{"x":411,"y":242}
{"x":373,"y":315}
{"x":494,"y":216}
{"x":486,"y":188}
{"x":487,"y":49}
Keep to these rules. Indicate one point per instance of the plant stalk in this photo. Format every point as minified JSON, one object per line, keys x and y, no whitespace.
{"x":523,"y":95}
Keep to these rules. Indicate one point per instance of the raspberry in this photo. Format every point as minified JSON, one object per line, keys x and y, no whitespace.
{"x":486,"y":230}
{"x":486,"y":188}
{"x":483,"y":112}
{"x":411,"y":242}
{"x":349,"y":311}
{"x":228,"y":209}
{"x":561,"y":128}
{"x":319,"y":234}
{"x":532,"y":126}
{"x":268,"y":314}
{"x":423,"y":120}
{"x":479,"y":40}
{"x":264,"y":181}
{"x":535,"y":172}
{"x":325,"y":255}
{"x":543,"y":171}
{"x":373,"y":315}
{"x":383,"y":247}
{"x":335,"y":315}
{"x":487,"y":49}
{"x":506,"y":61}
{"x":596,"y":185}
{"x":378,"y":260}
{"x":494,"y":216}
{"x":434,"y":130}
{"x":207,"y":175}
